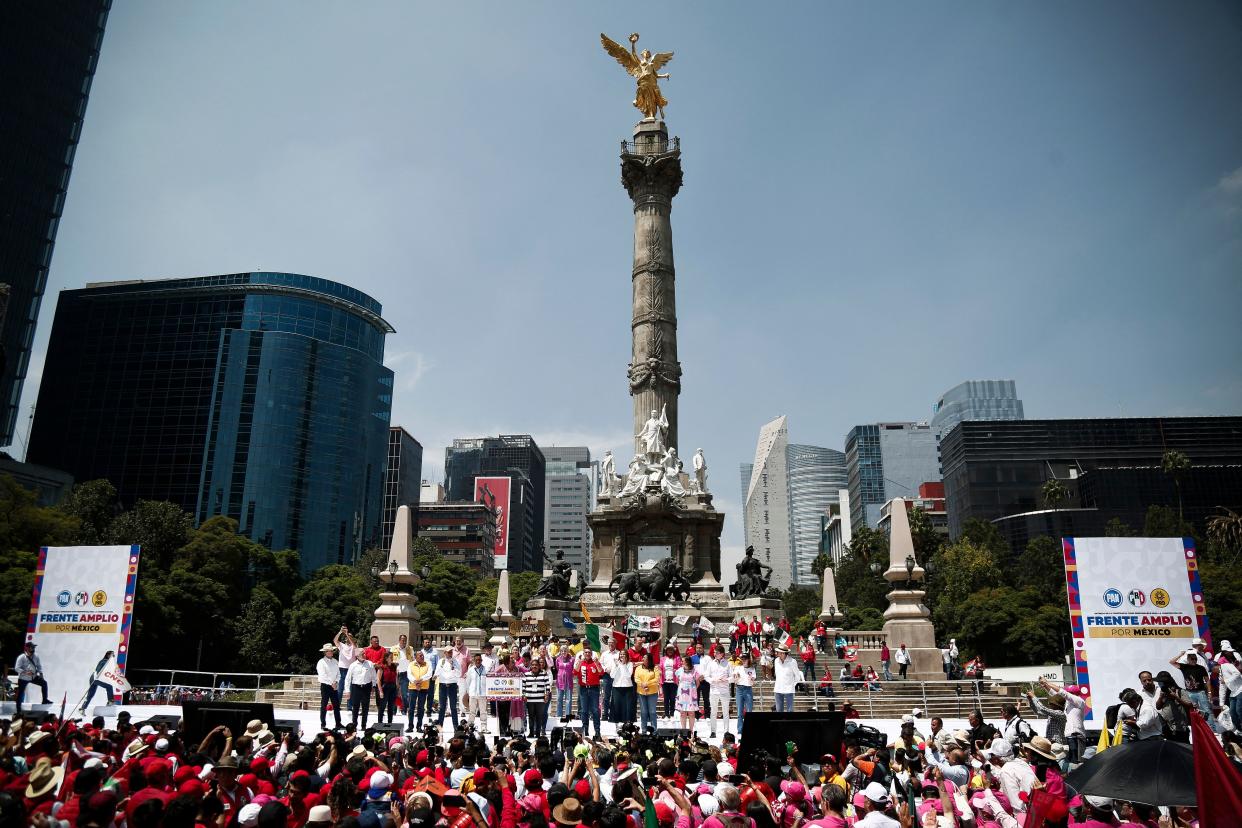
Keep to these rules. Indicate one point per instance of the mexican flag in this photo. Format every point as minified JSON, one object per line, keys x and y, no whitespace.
{"x":785,"y":640}
{"x":592,"y":636}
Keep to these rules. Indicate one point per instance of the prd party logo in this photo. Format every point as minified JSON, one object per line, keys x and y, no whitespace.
{"x":1137,"y":598}
{"x":1160,"y":597}
{"x":1112,"y":597}
{"x":99,"y":598}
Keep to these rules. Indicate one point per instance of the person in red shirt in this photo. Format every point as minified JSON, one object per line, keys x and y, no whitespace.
{"x":374,"y":653}
{"x":589,"y":673}
{"x":821,"y":636}
{"x":783,"y":624}
{"x":808,"y":660}
{"x":739,"y":635}
{"x":756,"y":630}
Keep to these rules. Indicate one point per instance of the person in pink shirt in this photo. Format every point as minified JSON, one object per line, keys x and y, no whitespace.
{"x":564,"y":682}
{"x":668,"y":664}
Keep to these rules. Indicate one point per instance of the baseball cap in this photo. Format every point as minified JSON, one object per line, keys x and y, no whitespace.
{"x":1099,"y":801}
{"x":249,"y":814}
{"x":319,"y":814}
{"x":1000,"y":749}
{"x":877,"y":793}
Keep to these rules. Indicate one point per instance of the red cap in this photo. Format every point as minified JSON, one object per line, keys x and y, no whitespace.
{"x":247,"y":780}
{"x":480,"y":774}
{"x":532,"y":779}
{"x":664,"y":814}
{"x":183,"y":773}
{"x":299,"y":774}
{"x":582,"y":788}
{"x":260,"y":763}
{"x":421,"y":757}
{"x":192,"y":787}
{"x":139,"y":797}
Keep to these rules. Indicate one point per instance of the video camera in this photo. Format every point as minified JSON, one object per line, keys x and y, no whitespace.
{"x":863,"y":736}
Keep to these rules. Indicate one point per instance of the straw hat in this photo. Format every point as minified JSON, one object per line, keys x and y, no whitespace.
{"x":327,"y":648}
{"x":568,"y":812}
{"x":134,"y":748}
{"x":1041,"y":746}
{"x":44,"y":778}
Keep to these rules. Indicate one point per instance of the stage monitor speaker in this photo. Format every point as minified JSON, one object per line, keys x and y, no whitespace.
{"x":388,"y":729}
{"x":814,"y":733}
{"x":155,"y":721}
{"x":674,"y":734}
{"x":199,"y":718}
{"x":280,"y":726}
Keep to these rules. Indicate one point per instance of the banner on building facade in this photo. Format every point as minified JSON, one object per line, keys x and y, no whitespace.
{"x":494,"y":492}
{"x":81,"y":614}
{"x":1134,"y":603}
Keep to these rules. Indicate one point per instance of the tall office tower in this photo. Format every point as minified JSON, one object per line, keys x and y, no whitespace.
{"x":518,"y":458}
{"x":1111,"y":468}
{"x":815,"y":475}
{"x":747,"y":469}
{"x":462,"y":461}
{"x":884,"y":461}
{"x":767,"y":503}
{"x":567,"y":498}
{"x":260,"y":396}
{"x":976,"y":400}
{"x":48,"y":55}
{"x":402,"y":481}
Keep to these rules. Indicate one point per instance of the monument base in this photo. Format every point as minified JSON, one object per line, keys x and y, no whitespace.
{"x":553,"y":611}
{"x":908,"y":621}
{"x":396,"y":615}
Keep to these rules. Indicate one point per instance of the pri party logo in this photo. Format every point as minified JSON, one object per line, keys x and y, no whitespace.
{"x":1137,"y":598}
{"x":1112,"y":597}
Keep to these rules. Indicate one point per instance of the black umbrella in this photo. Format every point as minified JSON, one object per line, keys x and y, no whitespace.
{"x":1153,"y":771}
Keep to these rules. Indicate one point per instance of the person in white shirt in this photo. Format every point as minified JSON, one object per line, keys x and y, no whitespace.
{"x":719,"y":675}
{"x":1231,"y":686}
{"x":29,"y":671}
{"x":744,"y":682}
{"x":769,"y":629}
{"x":788,"y":676}
{"x":621,"y":676}
{"x":490,"y":662}
{"x":1075,"y":709}
{"x":1015,"y":775}
{"x":876,"y":797}
{"x":347,"y":651}
{"x":472,"y":688}
{"x":607,"y":660}
{"x":403,"y":654}
{"x":328,"y":671}
{"x":448,"y":674}
{"x":361,"y":682}
{"x":902,"y":657}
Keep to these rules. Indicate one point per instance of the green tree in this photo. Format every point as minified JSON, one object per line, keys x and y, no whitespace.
{"x":24,"y":527}
{"x":1222,"y":595}
{"x":927,"y":541}
{"x":1176,"y":464}
{"x":1225,"y":533}
{"x":1116,"y":528}
{"x":799,"y":601}
{"x":1054,"y":493}
{"x":984,"y":535}
{"x":482,"y":604}
{"x":333,"y":596}
{"x":962,"y":569}
{"x":94,"y":504}
{"x":260,"y":633}
{"x":857,"y":586}
{"x":159,"y":527}
{"x":1041,"y":567}
{"x":822,"y":561}
{"x":864,"y":618}
{"x":522,"y":588}
{"x":1163,"y":522}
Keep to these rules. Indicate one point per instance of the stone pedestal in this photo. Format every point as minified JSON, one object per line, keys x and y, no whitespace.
{"x":749,"y":607}
{"x":907,"y":620}
{"x":553,"y":611}
{"x":397,"y":613}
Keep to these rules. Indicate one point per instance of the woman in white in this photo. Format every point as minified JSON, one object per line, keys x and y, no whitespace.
{"x":744,"y":682}
{"x":448,"y":676}
{"x":1231,"y":682}
{"x":622,"y":674}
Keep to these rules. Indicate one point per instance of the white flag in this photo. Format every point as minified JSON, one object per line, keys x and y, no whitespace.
{"x":679,"y":620}
{"x":705,"y":624}
{"x":112,"y":675}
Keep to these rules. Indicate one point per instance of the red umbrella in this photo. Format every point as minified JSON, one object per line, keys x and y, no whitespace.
{"x":1218,"y":782}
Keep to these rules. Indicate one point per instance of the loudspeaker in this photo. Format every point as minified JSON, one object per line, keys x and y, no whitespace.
{"x":168,"y":721}
{"x":286,"y":726}
{"x":814,"y":733}
{"x":198,"y":718}
{"x":665,"y":734}
{"x":389,"y":730}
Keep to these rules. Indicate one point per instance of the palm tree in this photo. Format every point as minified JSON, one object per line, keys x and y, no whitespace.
{"x":1226,"y":531}
{"x":1054,"y":493}
{"x":1176,"y":464}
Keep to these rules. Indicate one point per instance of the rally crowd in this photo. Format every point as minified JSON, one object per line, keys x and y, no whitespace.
{"x":428,"y":775}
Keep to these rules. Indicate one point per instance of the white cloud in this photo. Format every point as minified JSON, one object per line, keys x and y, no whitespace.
{"x":414,"y":366}
{"x":1231,"y":183}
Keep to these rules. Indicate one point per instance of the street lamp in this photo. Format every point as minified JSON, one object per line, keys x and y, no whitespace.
{"x":876,"y":568}
{"x":909,"y":571}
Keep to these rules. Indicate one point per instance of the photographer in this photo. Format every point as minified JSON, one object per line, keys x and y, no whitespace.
{"x":29,"y":671}
{"x":1172,"y":702}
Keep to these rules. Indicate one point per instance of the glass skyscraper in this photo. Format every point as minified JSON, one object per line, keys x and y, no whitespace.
{"x":884,"y":461}
{"x":260,"y":396}
{"x":976,"y":400}
{"x":816,"y":475}
{"x":567,"y":498}
{"x":48,"y":55}
{"x":402,"y":481}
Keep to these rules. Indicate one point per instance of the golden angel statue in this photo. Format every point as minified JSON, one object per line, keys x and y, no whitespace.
{"x":645,"y":67}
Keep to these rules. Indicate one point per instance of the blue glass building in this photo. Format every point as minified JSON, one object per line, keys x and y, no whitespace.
{"x":260,"y":396}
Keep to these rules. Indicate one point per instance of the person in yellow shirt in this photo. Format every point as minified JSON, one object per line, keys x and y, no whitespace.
{"x":647,"y":680}
{"x":419,"y":675}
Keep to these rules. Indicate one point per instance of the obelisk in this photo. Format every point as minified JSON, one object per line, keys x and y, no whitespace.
{"x":651,"y":173}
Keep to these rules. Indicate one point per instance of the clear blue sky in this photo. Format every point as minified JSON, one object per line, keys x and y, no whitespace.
{"x":880,"y":200}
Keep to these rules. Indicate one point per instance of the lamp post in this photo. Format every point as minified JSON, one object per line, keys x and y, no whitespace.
{"x":909,"y":572}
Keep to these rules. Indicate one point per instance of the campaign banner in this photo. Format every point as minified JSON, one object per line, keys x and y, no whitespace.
{"x":494,"y":492}
{"x":502,"y":688}
{"x":526,"y":627}
{"x":81,"y":614}
{"x":644,"y":623}
{"x":1134,"y":603}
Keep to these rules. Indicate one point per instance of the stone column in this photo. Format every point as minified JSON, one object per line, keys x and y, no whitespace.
{"x":397,"y":613}
{"x":651,"y":173}
{"x":907,"y":620}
